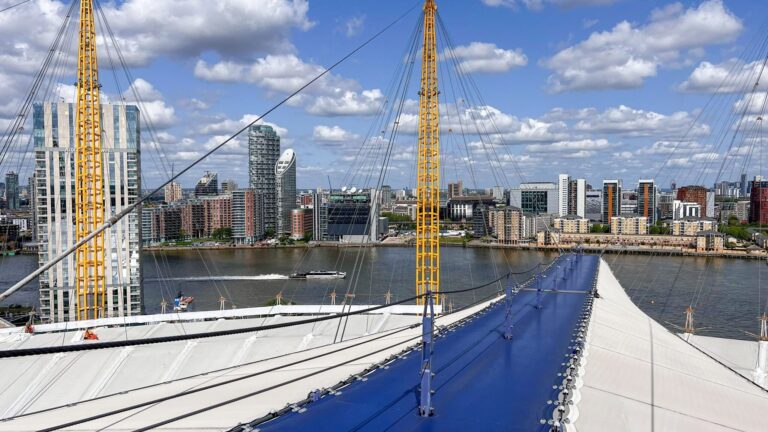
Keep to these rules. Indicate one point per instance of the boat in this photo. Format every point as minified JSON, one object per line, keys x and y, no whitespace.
{"x":319,"y":274}
{"x":181,"y":302}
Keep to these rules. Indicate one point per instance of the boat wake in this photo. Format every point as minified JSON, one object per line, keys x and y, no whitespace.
{"x":216,"y":277}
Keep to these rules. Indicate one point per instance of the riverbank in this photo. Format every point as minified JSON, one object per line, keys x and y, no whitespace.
{"x":407,"y":243}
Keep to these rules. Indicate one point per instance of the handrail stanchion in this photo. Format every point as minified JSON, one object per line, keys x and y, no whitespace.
{"x":537,"y":278}
{"x":508,"y":316}
{"x":427,"y":344}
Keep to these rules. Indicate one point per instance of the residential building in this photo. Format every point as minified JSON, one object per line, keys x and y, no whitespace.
{"x":693,"y":194}
{"x":208,"y":185}
{"x":682,"y":210}
{"x":497,"y":192}
{"x":12,"y":191}
{"x":536,"y":197}
{"x":611,"y":200}
{"x":285,"y":177}
{"x":577,"y":198}
{"x":386,"y":196}
{"x":172,"y":193}
{"x":507,"y":223}
{"x":758,"y":202}
{"x":629,"y":225}
{"x":666,"y":201}
{"x":301,"y":223}
{"x":692,"y":226}
{"x":563,"y":181}
{"x":217,"y":213}
{"x":481,"y":221}
{"x":535,"y":223}
{"x":247,"y":216}
{"x":744,"y":185}
{"x":263,"y":153}
{"x":710,"y":241}
{"x":54,"y":141}
{"x":571,"y":225}
{"x":193,"y":219}
{"x":454,"y":190}
{"x":319,"y":217}
{"x":594,"y":205}
{"x":742,"y":211}
{"x":462,"y":207}
{"x":647,"y":195}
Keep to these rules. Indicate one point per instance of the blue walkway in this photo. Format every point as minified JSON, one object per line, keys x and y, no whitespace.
{"x":483,"y":382}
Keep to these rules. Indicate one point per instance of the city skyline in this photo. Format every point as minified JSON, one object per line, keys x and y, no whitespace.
{"x":610,"y":128}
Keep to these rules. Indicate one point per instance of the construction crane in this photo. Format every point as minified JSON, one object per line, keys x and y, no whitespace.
{"x":89,"y":175}
{"x":428,"y":175}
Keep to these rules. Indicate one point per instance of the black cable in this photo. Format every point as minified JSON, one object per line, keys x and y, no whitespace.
{"x":13,"y":6}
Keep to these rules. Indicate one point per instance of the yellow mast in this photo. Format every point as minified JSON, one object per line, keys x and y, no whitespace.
{"x":89,"y":186}
{"x":428,"y":178}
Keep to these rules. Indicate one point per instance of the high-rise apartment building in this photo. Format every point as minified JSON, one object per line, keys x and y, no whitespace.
{"x":285,"y":181}
{"x":54,"y":140}
{"x":12,"y":191}
{"x":744,"y":185}
{"x":647,"y":197}
{"x":208,"y":185}
{"x":455,"y":189}
{"x":594,"y":205}
{"x":217,"y":213}
{"x":758,"y":202}
{"x":694,"y":194}
{"x":301,"y":222}
{"x":571,"y":196}
{"x":611,"y":200}
{"x":562,"y":194}
{"x":507,"y":224}
{"x":228,"y":186}
{"x":263,"y":153}
{"x":247,"y":216}
{"x":172,"y":192}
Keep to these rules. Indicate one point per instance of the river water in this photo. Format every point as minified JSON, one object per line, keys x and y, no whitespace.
{"x":726,"y":293}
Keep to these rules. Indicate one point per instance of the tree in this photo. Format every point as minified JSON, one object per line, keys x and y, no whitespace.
{"x":222,"y":234}
{"x":269,"y":233}
{"x":307,"y":237}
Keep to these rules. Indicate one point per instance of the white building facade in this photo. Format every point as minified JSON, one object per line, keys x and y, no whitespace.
{"x":54,"y":141}
{"x":285,"y":175}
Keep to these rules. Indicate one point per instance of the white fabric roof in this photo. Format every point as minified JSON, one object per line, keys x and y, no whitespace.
{"x":639,"y":376}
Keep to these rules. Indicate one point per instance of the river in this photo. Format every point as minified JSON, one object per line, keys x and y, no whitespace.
{"x":726,"y":292}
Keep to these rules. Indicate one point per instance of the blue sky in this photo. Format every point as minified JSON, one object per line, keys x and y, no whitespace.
{"x":595,"y":88}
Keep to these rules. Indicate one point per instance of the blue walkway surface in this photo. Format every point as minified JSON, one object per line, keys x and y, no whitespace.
{"x":483,"y":382}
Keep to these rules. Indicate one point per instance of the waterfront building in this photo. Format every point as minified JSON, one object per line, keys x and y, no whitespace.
{"x":172,"y":192}
{"x":32,"y":186}
{"x":629,"y":225}
{"x":563,"y":181}
{"x":217,"y":213}
{"x":507,"y":224}
{"x":228,"y":186}
{"x":405,"y":208}
{"x":611,"y":200}
{"x":594,"y":205}
{"x":758,"y":202}
{"x":744,"y":185}
{"x":208,"y":185}
{"x":263,"y":153}
{"x":247,"y":216}
{"x":692,"y":226}
{"x":682,"y":210}
{"x":386,"y":196}
{"x":319,"y":217}
{"x":193,"y":218}
{"x":536,"y":197}
{"x":693,"y":194}
{"x":647,"y":194}
{"x":535,"y":223}
{"x":577,"y":198}
{"x":481,"y":221}
{"x":454,"y":190}
{"x":348,"y":215}
{"x":462,"y":207}
{"x":666,"y":201}
{"x":710,"y":241}
{"x":301,"y":222}
{"x":285,"y":181}
{"x":571,"y":224}
{"x":54,"y":141}
{"x":12,"y":191}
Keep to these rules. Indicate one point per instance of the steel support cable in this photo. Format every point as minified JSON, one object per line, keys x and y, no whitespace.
{"x":14,"y":5}
{"x":248,"y":376}
{"x":133,"y":206}
{"x":15,"y":127}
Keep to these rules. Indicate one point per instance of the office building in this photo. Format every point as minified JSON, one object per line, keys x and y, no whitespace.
{"x":629,"y":225}
{"x":247,"y":216}
{"x":285,"y":181}
{"x":571,"y":225}
{"x":301,"y":222}
{"x":208,"y":185}
{"x":463,"y":207}
{"x":611,"y":200}
{"x":647,"y":197}
{"x":536,"y":198}
{"x":228,"y":186}
{"x":172,"y":192}
{"x":263,"y":153}
{"x":744,"y":185}
{"x":12,"y":191}
{"x":54,"y":141}
{"x":348,"y":216}
{"x":386,"y":196}
{"x":758,"y":202}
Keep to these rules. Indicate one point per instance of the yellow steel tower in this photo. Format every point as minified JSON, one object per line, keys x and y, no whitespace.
{"x":428,"y":178}
{"x":89,"y":176}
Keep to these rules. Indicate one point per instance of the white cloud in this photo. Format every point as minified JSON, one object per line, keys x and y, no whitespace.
{"x":324,"y":133}
{"x":486,"y":57}
{"x":152,"y":106}
{"x":348,"y":103}
{"x":539,"y":4}
{"x":571,"y":148}
{"x":354,"y":25}
{"x":626,"y":55}
{"x":731,"y":76}
{"x":635,"y":122}
{"x":752,"y":103}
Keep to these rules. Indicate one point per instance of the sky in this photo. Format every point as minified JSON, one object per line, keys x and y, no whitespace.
{"x":598,"y":89}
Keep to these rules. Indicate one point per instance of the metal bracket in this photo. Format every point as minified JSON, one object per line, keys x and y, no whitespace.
{"x":508,"y":316}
